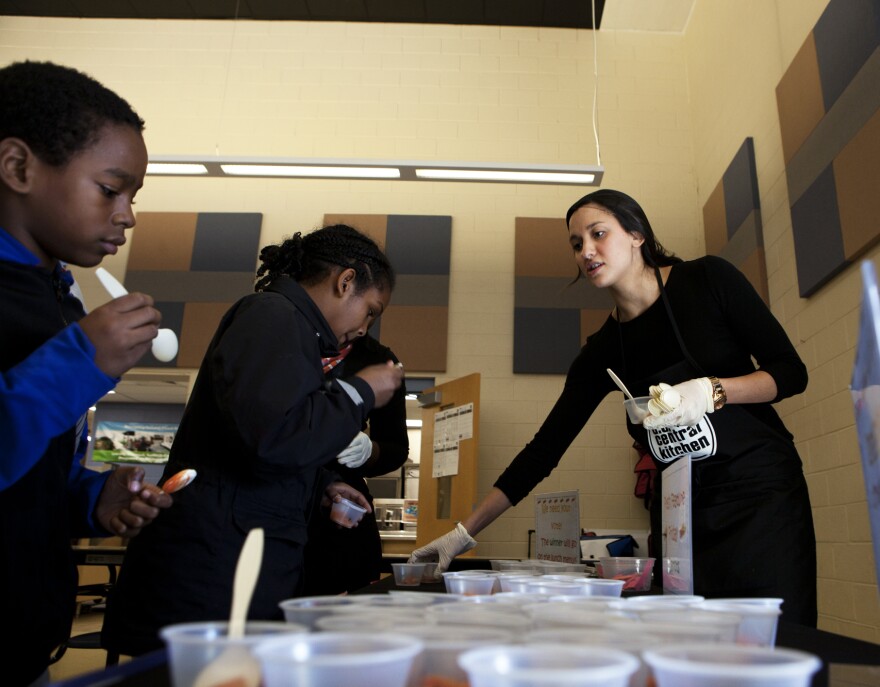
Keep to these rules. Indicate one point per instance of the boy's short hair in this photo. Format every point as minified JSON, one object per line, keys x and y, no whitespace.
{"x":58,"y":111}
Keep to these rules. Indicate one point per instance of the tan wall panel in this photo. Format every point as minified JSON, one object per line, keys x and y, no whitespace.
{"x":857,"y":178}
{"x":374,"y":226}
{"x":200,"y":321}
{"x":403,"y":331}
{"x":591,"y":321}
{"x":755,"y":269}
{"x":799,"y":97}
{"x":715,"y":221}
{"x":166,"y":241}
{"x":542,"y":248}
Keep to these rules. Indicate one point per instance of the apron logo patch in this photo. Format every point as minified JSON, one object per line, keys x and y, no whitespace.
{"x":671,"y":443}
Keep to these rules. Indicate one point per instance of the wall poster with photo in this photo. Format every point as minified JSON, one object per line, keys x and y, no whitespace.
{"x":132,"y":442}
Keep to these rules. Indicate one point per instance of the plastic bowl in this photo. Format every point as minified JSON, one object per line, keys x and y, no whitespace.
{"x":338,"y":658}
{"x":759,"y":618}
{"x":635,"y":572}
{"x":637,"y":409}
{"x":346,"y":513}
{"x":715,"y":665}
{"x":428,"y":572}
{"x":468,"y":585}
{"x":305,"y":610}
{"x":444,"y":644}
{"x":193,"y":646}
{"x":547,"y":664}
{"x":408,"y":574}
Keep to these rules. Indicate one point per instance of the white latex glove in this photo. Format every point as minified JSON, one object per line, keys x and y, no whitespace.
{"x":444,"y":549}
{"x":696,"y":401}
{"x":357,"y":452}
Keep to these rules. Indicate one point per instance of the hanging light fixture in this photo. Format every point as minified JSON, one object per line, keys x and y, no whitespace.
{"x":402,"y":170}
{"x":396,"y":170}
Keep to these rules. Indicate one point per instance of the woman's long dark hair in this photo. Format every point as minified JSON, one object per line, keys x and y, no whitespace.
{"x":309,"y":259}
{"x":633,"y":219}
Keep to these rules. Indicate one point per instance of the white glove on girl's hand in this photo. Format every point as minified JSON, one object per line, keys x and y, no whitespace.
{"x":696,"y":401}
{"x":357,"y":452}
{"x":444,"y":549}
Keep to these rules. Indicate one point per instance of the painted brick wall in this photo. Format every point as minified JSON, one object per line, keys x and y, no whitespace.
{"x":736,"y":58}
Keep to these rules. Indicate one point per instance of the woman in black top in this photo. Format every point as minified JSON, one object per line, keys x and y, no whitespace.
{"x":678,"y":323}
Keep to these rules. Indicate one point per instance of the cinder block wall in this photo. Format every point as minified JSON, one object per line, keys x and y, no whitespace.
{"x":667,"y":129}
{"x":736,"y":55}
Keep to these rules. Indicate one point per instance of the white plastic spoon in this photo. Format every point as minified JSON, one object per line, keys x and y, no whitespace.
{"x":165,"y":344}
{"x":235,"y":665}
{"x":620,"y":385}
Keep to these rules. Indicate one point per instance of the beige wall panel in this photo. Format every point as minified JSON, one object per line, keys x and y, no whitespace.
{"x":715,"y":221}
{"x":542,"y":248}
{"x":857,"y":178}
{"x":200,"y":321}
{"x":799,"y":94}
{"x":374,"y":226}
{"x":403,"y":328}
{"x":170,"y":244}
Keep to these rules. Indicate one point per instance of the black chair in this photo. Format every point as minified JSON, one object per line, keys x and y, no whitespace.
{"x":90,"y":640}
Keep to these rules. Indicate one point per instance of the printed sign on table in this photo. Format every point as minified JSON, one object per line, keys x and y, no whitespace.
{"x":678,"y":570}
{"x":866,"y":400}
{"x":557,"y":527}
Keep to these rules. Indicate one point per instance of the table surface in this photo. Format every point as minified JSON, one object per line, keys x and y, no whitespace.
{"x":151,"y":669}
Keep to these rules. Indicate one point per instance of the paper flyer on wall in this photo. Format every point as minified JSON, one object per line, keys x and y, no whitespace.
{"x":132,"y":442}
{"x":865,"y":389}
{"x":677,"y":545}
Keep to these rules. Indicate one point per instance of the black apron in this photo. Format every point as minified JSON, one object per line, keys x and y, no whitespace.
{"x":751,"y":517}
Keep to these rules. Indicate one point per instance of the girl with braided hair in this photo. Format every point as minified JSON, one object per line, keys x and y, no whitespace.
{"x":263,"y":428}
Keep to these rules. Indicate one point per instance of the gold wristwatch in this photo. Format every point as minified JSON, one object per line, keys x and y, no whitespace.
{"x":719,"y":395}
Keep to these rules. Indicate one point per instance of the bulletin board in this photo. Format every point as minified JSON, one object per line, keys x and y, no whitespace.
{"x":447,"y":500}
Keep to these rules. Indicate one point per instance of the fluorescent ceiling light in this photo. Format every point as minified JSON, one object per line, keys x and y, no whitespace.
{"x":311,"y":171}
{"x":402,"y":170}
{"x":505,"y":176}
{"x":181,"y":168}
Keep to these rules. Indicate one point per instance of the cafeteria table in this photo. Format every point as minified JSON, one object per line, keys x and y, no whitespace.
{"x":861,"y":659}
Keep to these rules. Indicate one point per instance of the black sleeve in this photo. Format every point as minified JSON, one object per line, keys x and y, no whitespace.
{"x":586,"y":385}
{"x":388,"y":423}
{"x":755,"y":327}
{"x":270,"y":387}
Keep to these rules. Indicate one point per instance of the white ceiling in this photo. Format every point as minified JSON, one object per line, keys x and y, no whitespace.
{"x":669,"y":16}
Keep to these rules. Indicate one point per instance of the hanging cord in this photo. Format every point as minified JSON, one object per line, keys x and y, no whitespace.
{"x":222,"y":111}
{"x":596,"y":85}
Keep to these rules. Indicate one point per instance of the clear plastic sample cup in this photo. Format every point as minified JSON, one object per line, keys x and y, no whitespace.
{"x":541,"y":665}
{"x":724,"y":665}
{"x":346,"y":513}
{"x":338,"y":658}
{"x":194,"y":647}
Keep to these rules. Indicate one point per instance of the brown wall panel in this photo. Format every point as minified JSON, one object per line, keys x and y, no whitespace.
{"x":591,"y":322}
{"x":200,"y":321}
{"x":542,"y":249}
{"x":404,"y":331}
{"x":857,"y":180}
{"x":162,"y":241}
{"x":374,"y":226}
{"x":715,"y":221}
{"x":755,"y":269}
{"x":799,"y":98}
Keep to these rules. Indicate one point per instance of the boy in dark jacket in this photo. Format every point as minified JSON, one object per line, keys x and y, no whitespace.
{"x":72,"y":157}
